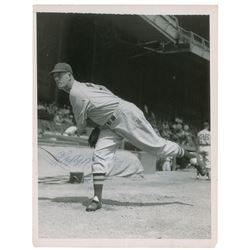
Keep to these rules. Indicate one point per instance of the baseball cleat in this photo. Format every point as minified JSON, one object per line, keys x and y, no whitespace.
{"x":94,"y":205}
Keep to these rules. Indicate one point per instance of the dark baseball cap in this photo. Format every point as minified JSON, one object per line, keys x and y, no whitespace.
{"x":61,"y":67}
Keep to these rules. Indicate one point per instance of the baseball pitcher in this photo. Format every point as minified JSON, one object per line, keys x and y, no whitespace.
{"x":116,"y":119}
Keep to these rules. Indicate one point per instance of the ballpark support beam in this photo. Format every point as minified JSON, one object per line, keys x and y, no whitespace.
{"x":169,"y":27}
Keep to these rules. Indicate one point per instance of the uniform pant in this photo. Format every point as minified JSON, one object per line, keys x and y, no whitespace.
{"x":131,"y":124}
{"x":205,"y":154}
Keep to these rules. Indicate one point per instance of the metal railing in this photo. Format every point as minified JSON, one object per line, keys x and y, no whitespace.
{"x":182,"y":35}
{"x":191,"y":37}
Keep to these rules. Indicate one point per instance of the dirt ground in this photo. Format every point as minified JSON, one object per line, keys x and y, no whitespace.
{"x":164,"y":205}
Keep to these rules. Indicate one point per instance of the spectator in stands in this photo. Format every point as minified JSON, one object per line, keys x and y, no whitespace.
{"x":65,"y":110}
{"x":180,"y":134}
{"x":174,"y":132}
{"x":58,"y":122}
{"x":178,"y":120}
{"x":68,"y":120}
{"x":165,"y":131}
{"x":58,"y":119}
{"x":40,"y":106}
{"x":188,"y":136}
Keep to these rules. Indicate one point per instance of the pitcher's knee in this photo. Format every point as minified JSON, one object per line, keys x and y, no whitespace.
{"x":98,"y":168}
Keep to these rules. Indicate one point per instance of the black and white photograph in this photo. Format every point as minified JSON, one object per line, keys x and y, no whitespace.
{"x":125,"y":126}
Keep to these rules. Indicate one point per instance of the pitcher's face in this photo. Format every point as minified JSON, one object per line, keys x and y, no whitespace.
{"x":62,"y":79}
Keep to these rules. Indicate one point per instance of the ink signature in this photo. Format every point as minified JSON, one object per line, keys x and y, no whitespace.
{"x":71,"y":159}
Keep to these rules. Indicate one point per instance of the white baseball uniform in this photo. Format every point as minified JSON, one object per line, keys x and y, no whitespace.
{"x":204,"y":146}
{"x":118,"y":119}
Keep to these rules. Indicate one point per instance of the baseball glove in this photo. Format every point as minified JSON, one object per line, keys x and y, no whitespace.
{"x":94,"y":137}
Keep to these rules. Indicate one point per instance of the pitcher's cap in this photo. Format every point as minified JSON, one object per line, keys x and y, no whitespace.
{"x":61,"y":67}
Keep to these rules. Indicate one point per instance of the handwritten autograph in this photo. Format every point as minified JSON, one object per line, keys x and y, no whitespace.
{"x":71,"y":159}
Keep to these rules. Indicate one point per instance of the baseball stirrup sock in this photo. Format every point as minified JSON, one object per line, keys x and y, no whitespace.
{"x":98,"y":178}
{"x":181,"y":152}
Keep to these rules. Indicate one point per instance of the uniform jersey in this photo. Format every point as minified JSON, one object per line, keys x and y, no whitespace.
{"x":204,"y":137}
{"x":204,"y":146}
{"x":92,"y":101}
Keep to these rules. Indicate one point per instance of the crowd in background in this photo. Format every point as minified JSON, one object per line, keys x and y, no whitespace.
{"x":54,"y":119}
{"x":176,"y":130}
